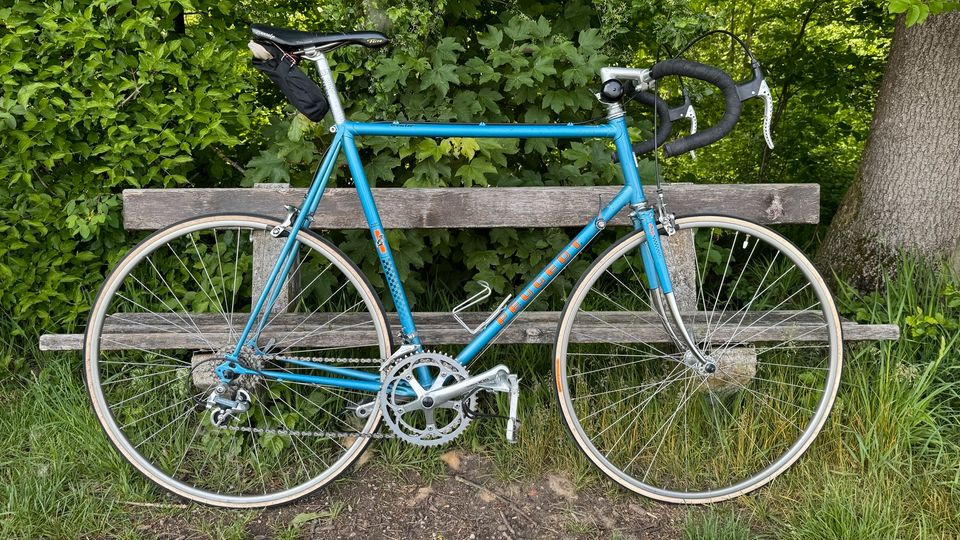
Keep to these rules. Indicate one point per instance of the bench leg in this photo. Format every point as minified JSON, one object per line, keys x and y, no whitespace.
{"x":266,"y":250}
{"x":682,"y":262}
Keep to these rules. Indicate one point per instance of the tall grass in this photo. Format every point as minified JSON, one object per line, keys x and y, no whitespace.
{"x":887,"y":464}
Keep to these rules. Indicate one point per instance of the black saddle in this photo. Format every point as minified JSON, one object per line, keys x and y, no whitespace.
{"x":295,"y":39}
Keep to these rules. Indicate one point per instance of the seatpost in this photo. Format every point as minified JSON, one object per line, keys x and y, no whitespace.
{"x":326,"y":77}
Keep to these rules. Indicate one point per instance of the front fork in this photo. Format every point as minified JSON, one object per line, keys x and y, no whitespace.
{"x":658,"y":277}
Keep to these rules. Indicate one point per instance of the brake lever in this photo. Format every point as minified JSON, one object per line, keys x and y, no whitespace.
{"x":758,"y":88}
{"x":686,"y":110}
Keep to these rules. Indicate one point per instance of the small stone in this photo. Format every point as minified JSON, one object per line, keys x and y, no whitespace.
{"x":421,"y":494}
{"x":452,"y":459}
{"x":562,"y":486}
{"x":486,"y":496}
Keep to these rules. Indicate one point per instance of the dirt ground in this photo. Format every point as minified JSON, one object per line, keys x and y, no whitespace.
{"x":467,"y":503}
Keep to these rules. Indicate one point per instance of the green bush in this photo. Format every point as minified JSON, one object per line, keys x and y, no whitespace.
{"x":102,"y":95}
{"x":96,"y":97}
{"x":110,"y":94}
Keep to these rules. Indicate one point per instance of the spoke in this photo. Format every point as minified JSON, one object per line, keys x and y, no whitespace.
{"x":175,"y":297}
{"x":760,"y":398}
{"x":293,"y":438}
{"x":186,"y":449}
{"x":167,"y":306}
{"x":636,"y":340}
{"x":582,"y":373}
{"x":314,"y":331}
{"x":198,"y":333}
{"x":302,"y":289}
{"x":158,"y":411}
{"x":145,"y":392}
{"x":108,"y":381}
{"x":763,"y":315}
{"x":605,"y":392}
{"x":161,"y":430}
{"x":315,"y":310}
{"x":256,"y":456}
{"x":732,"y":290}
{"x":666,"y":427}
{"x":223,"y":283}
{"x":643,"y":404}
{"x":182,"y":363}
{"x":234,"y":286}
{"x":195,"y":280}
{"x":134,"y":347}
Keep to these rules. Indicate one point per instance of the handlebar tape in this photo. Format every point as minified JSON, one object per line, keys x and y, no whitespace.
{"x":664,"y":125}
{"x":714,"y":76}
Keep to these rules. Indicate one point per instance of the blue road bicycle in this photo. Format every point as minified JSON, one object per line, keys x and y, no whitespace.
{"x":690,"y":377}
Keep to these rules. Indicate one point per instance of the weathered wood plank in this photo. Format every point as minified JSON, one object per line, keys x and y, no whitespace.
{"x":431,"y":208}
{"x":322,"y":330}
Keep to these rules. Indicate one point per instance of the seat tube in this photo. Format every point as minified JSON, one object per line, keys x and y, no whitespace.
{"x":397,"y":292}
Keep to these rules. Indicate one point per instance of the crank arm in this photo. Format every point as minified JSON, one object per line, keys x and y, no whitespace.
{"x":496,"y":379}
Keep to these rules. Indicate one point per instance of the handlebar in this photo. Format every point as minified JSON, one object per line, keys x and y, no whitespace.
{"x":733,"y":95}
{"x":714,"y":76}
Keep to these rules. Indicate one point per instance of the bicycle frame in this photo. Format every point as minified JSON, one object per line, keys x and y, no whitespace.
{"x":346,"y":131}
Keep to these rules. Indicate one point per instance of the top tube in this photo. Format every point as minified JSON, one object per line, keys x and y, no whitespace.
{"x":505,"y":131}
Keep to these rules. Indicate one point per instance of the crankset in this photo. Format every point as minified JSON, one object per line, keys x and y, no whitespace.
{"x":429,"y":398}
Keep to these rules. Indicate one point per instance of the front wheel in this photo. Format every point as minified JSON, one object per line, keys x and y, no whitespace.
{"x":176,"y":305}
{"x":648,"y":414}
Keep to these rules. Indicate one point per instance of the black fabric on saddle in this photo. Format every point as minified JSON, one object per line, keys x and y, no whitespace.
{"x":325,"y":42}
{"x":302,"y":91}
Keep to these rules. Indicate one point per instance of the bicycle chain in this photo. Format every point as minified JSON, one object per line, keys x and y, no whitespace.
{"x":319,"y":434}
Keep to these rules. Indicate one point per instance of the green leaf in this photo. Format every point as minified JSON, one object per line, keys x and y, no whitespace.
{"x":913,"y":14}
{"x":474,"y":172}
{"x":440,"y":78}
{"x":900,"y":6}
{"x":305,"y":517}
{"x":591,"y":40}
{"x":428,"y":148}
{"x":492,"y":39}
{"x":267,"y":166}
{"x":469,"y":147}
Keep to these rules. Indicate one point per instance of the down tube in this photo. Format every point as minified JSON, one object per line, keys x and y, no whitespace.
{"x":544,"y":278}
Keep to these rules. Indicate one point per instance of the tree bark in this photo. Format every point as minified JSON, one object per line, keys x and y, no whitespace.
{"x":905,"y":197}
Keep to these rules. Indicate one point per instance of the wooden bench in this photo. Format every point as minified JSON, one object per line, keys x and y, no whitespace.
{"x":410,"y":208}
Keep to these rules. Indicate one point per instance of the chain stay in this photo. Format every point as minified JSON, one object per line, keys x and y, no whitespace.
{"x":318,"y":434}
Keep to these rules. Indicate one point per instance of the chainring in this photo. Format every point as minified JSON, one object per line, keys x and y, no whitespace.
{"x":424,"y":427}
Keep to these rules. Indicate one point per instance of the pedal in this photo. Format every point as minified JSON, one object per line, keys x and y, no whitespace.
{"x":512,"y":422}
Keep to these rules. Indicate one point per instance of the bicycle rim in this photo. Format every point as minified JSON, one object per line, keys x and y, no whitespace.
{"x":637,"y":404}
{"x":168,"y":313}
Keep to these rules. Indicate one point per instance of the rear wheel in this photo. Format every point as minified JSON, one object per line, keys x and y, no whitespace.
{"x":648,"y":414}
{"x":165,"y":318}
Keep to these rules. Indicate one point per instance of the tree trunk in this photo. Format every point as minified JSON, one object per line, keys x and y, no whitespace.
{"x":906,"y":194}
